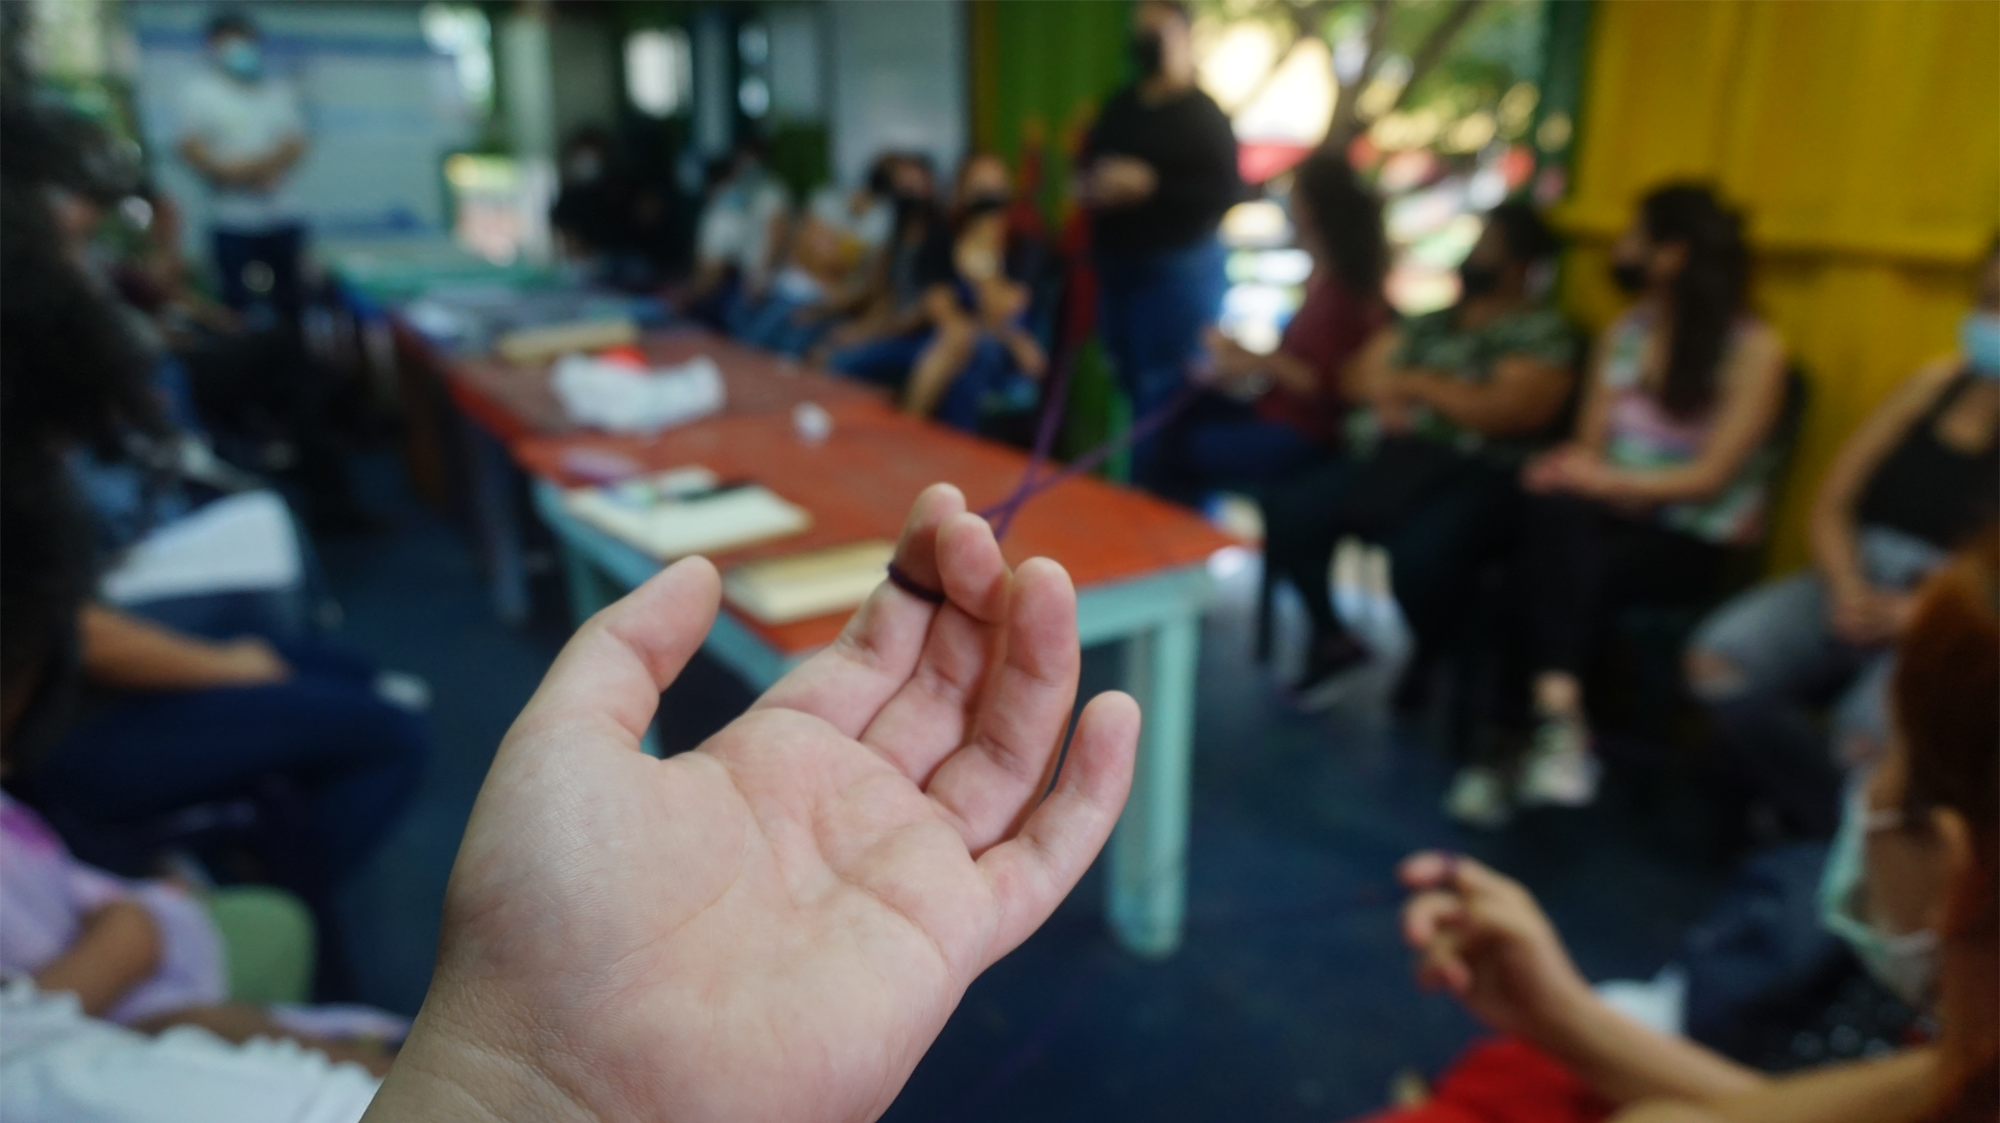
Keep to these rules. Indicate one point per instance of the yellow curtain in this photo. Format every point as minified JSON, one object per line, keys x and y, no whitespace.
{"x":1862,"y":138}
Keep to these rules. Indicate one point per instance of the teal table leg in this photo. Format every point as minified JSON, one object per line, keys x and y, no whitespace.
{"x":589,"y":590}
{"x":1149,"y":847}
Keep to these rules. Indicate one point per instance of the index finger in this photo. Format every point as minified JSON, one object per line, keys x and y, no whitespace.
{"x":850,"y":681}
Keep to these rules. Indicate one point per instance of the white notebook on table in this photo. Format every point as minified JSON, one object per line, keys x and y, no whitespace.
{"x":687,"y":511}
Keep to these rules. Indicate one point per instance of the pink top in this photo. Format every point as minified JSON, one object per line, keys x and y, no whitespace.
{"x":45,"y":894}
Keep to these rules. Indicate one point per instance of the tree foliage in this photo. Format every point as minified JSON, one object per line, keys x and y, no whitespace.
{"x":1452,"y":56}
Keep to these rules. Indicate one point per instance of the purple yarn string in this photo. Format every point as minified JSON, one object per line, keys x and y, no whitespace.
{"x":1056,"y":404}
{"x":1002,"y":513}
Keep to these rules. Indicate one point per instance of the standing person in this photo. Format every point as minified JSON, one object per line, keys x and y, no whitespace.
{"x":243,"y":133}
{"x":1667,"y":471}
{"x":1159,"y":170}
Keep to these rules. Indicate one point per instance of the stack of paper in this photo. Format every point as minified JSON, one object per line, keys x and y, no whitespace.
{"x":802,"y":586}
{"x":687,"y":511}
{"x":532,"y":345}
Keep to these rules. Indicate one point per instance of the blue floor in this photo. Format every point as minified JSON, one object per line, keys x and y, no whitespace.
{"x":1291,"y":997}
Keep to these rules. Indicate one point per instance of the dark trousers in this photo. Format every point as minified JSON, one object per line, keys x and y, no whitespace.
{"x":1152,"y":308}
{"x":1435,"y":511}
{"x":261,"y":271}
{"x":145,"y":754}
{"x":1221,"y":444}
{"x":1577,"y":562}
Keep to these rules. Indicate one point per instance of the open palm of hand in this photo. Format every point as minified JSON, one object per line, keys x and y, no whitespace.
{"x":776,"y":925}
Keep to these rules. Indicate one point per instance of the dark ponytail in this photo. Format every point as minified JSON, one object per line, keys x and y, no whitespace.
{"x":1707,"y":296}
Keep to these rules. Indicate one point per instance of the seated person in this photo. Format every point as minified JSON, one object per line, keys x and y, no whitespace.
{"x":253,"y":397}
{"x":1269,"y":417}
{"x":892,"y":325}
{"x":1913,"y":481}
{"x":739,"y":235}
{"x":832,"y":257}
{"x":1910,"y":886}
{"x":1454,"y":402}
{"x":81,"y":946}
{"x":592,"y":216}
{"x":173,"y":720}
{"x":978,"y":286}
{"x":1668,"y":470}
{"x":145,"y":954}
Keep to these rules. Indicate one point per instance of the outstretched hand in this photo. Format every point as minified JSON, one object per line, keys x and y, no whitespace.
{"x":1482,"y":937}
{"x":776,"y":925}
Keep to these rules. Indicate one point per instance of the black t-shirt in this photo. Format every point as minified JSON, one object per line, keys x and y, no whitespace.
{"x":1927,"y":489}
{"x":1192,"y":149}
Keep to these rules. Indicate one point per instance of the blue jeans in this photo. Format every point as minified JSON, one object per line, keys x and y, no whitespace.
{"x":985,"y":372}
{"x":1221,"y":444}
{"x":776,"y":325}
{"x":145,"y":754}
{"x":278,"y":250}
{"x":1772,"y":659}
{"x":1152,"y":308}
{"x":884,"y":362}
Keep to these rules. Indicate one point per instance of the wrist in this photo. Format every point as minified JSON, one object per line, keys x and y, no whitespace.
{"x":1573,"y":1023}
{"x":453,"y":1067}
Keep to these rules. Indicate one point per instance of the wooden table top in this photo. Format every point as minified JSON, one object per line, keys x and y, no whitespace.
{"x":515,"y":400}
{"x":858,"y":483}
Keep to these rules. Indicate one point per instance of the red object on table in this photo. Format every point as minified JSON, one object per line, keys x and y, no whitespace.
{"x":858,"y":483}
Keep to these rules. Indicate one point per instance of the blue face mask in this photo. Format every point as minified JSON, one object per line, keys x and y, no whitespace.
{"x":1979,"y":338}
{"x":241,"y":59}
{"x":1907,"y":964}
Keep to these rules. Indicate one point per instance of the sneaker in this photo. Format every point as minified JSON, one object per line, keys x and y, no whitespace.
{"x":1478,"y":798}
{"x":1328,"y":672}
{"x":404,"y":691}
{"x":1559,"y":769}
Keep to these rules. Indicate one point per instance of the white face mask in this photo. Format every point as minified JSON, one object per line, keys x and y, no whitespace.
{"x":1907,"y":964}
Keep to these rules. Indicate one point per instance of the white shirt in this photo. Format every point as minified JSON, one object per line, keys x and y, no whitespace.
{"x":736,"y":226}
{"x":58,"y":1065}
{"x":869,"y":230}
{"x":237,"y":121}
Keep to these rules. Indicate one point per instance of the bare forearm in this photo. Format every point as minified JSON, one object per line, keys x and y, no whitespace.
{"x":1690,"y":484}
{"x":125,"y":651}
{"x":1481,"y":407}
{"x":1294,"y":374}
{"x":119,"y":948}
{"x":1832,"y":535}
{"x":1894,"y":1089}
{"x":1626,"y":1062}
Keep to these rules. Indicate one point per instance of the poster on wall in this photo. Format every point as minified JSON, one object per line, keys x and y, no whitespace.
{"x":383,"y":108}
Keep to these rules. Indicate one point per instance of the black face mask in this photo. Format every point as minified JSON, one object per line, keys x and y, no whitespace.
{"x":1148,"y":52}
{"x":1629,"y":276}
{"x":986,"y":202}
{"x":1475,"y":279}
{"x":882,"y":183}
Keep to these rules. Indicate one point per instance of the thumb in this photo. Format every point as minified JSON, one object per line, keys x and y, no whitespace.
{"x":619,"y":661}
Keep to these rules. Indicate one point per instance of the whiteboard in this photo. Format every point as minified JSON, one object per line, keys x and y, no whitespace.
{"x":382,"y":107}
{"x":899,"y":81}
